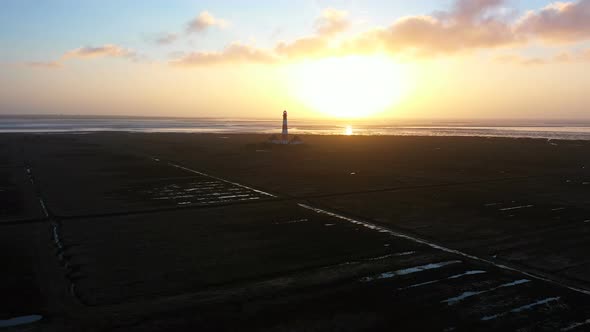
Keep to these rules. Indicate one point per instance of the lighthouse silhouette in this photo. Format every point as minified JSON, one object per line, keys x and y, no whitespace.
{"x":285,"y":138}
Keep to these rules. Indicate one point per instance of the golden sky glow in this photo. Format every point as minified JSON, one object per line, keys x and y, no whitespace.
{"x":349,"y":87}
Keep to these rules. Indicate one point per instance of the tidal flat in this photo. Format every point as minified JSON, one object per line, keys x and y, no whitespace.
{"x":166,"y":231}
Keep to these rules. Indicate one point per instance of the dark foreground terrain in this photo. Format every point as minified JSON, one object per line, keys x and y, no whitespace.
{"x":187,"y":232}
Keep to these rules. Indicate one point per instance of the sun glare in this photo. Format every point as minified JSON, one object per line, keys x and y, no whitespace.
{"x":350,"y":87}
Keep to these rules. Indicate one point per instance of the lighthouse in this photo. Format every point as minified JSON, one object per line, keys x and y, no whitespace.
{"x":285,"y":129}
{"x":284,"y":140}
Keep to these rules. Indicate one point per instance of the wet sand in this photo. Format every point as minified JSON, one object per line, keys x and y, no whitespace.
{"x":149,"y":232}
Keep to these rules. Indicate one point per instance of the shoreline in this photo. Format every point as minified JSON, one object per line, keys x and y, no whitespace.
{"x":305,"y":134}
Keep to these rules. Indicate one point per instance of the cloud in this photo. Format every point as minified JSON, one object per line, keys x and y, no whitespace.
{"x":108,"y":50}
{"x":468,"y":25}
{"x":87,"y":52}
{"x":199,"y":24}
{"x":166,"y":39}
{"x":332,"y":22}
{"x":204,"y":21}
{"x":43,"y":65}
{"x":558,"y":22}
{"x":303,"y":47}
{"x":521,"y":60}
{"x":234,"y":53}
{"x":563,"y":57}
{"x":470,"y":10}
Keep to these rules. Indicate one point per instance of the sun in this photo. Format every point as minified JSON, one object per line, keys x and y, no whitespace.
{"x":349,"y":87}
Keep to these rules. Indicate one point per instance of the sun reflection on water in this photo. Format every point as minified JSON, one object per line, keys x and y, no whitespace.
{"x":348,"y":130}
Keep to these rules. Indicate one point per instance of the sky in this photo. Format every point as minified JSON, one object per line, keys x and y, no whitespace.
{"x":423,"y":59}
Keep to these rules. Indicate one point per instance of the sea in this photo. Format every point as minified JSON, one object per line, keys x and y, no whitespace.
{"x":550,"y":129}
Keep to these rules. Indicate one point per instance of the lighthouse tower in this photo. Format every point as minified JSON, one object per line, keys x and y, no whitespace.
{"x":285,"y":129}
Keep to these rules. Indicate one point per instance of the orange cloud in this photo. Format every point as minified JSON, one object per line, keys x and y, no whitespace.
{"x":467,"y":26}
{"x":332,"y":22}
{"x":470,"y":24}
{"x":235,"y":53}
{"x":558,"y":22}
{"x":303,"y":47}
{"x":88,"y":52}
{"x":204,"y":21}
{"x":563,"y":57}
{"x":108,"y":50}
{"x":427,"y":35}
{"x":520,"y":60}
{"x":469,"y":10}
{"x":43,"y":65}
{"x":329,"y":24}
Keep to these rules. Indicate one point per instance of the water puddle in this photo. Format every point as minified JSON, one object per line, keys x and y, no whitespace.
{"x":295,"y":221}
{"x":517,"y":207}
{"x":234,"y":196}
{"x":223,"y":180}
{"x":465,"y":295}
{"x":397,"y":254}
{"x":576,"y":325}
{"x":379,"y":258}
{"x":44,"y":207}
{"x":522,"y":308}
{"x":456,"y":276}
{"x":411,"y":270}
{"x":382,"y":229}
{"x":200,"y":192}
{"x":22,"y":320}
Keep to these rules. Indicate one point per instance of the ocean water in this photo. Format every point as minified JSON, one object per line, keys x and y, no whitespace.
{"x":567,"y":130}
